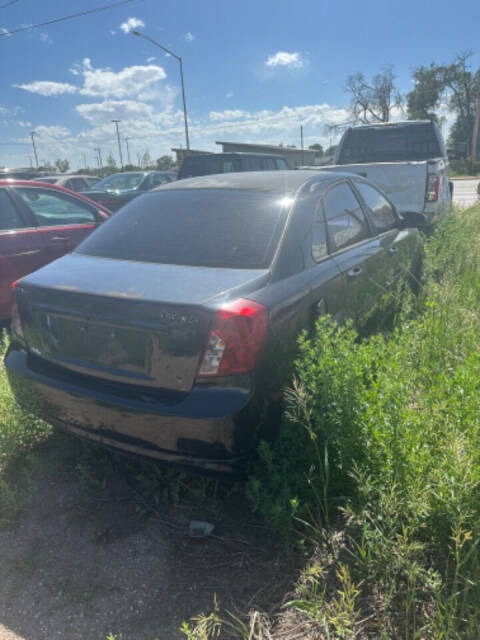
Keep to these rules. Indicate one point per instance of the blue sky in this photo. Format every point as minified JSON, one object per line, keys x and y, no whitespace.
{"x":254,"y":70}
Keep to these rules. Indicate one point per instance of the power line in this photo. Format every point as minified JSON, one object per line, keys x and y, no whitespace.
{"x":70,"y":17}
{"x":7,"y":4}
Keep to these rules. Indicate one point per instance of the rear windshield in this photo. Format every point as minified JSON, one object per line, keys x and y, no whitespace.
{"x":207,"y":165}
{"x":395,"y":144}
{"x":121,"y":181}
{"x":229,"y":228}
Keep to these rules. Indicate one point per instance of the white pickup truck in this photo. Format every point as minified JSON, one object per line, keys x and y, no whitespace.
{"x":407,"y":160}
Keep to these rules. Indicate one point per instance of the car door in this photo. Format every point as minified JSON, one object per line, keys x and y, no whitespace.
{"x":22,"y":248}
{"x":358,"y":253}
{"x":396,"y":243}
{"x":62,"y":219}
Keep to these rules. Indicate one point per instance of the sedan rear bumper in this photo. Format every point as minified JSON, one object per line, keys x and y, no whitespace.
{"x":203,"y":429}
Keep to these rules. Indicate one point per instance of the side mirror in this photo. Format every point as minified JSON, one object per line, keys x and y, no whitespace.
{"x":413,"y":219}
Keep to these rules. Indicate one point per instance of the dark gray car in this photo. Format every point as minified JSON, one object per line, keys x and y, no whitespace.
{"x":172,"y":329}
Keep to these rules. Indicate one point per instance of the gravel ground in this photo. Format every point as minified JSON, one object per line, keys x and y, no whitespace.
{"x":80,"y":563}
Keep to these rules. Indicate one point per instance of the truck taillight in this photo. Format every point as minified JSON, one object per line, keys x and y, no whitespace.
{"x":15,"y":323}
{"x":433,"y":186}
{"x":236,"y":338}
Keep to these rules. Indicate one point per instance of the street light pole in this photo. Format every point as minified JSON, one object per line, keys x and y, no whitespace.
{"x":179,"y":59}
{"x":119,"y":143}
{"x":128,"y":150}
{"x":34,"y":148}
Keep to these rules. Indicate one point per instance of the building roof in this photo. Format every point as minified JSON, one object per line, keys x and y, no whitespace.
{"x":287,"y":181}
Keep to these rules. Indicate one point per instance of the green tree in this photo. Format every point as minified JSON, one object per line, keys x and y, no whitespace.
{"x":331,"y":150}
{"x":165,"y":163}
{"x":453,"y":85}
{"x":317,"y":148}
{"x":62,"y":165}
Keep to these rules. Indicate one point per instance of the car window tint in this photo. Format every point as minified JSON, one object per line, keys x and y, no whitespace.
{"x":281,"y":164}
{"x":53,"y":209}
{"x":229,"y":228}
{"x":381,"y":211}
{"x":319,"y":238}
{"x":345,"y":218}
{"x":269,"y":164}
{"x":9,"y":218}
{"x":156,"y":179}
{"x":76,"y":184}
{"x":251,"y":164}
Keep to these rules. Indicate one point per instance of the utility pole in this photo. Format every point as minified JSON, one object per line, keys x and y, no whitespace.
{"x":85,"y":160}
{"x":119,"y":143}
{"x":128,"y":150}
{"x":475,"y":131}
{"x":99,"y":157}
{"x":301,"y":144}
{"x":34,"y":147}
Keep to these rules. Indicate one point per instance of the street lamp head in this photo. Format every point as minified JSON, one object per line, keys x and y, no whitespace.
{"x":135,"y":33}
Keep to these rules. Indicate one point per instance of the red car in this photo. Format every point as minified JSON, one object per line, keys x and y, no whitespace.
{"x":38,"y":223}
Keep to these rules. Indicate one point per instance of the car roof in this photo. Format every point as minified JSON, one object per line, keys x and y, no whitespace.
{"x":235,"y":153}
{"x":285,"y":181}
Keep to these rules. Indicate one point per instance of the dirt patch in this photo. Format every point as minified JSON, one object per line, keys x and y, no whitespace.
{"x":95,"y":553}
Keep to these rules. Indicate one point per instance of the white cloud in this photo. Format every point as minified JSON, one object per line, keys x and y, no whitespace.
{"x":229,"y":94}
{"x":5,"y":31}
{"x":131,"y":24}
{"x":44,"y":37}
{"x":24,"y":123}
{"x":188,"y":37}
{"x":47,"y":88}
{"x":285,"y":59}
{"x":152,"y":59}
{"x":228,"y":114}
{"x":130,"y":81}
{"x":54,"y":132}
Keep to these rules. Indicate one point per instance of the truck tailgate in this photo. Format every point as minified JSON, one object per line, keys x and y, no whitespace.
{"x":404,"y":182}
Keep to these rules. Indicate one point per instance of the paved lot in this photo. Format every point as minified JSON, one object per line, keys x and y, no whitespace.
{"x":465,"y":192}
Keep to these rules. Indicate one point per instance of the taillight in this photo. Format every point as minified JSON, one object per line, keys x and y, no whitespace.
{"x":433,"y":186}
{"x":236,"y":338}
{"x":15,"y":323}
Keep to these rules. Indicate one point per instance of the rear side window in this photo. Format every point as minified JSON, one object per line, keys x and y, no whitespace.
{"x":381,"y":211}
{"x":281,"y":164}
{"x":55,"y":209}
{"x":230,"y":228}
{"x":9,"y":218}
{"x":345,"y":219}
{"x":251,"y":164}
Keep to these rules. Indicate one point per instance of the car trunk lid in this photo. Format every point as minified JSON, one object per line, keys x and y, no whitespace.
{"x":139,"y":324}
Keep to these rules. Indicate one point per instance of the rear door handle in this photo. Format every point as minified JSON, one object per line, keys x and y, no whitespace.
{"x":59,"y":239}
{"x":356,"y":271}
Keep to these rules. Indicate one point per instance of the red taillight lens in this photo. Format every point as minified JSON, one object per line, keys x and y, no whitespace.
{"x":235,"y":340}
{"x":433,"y":186}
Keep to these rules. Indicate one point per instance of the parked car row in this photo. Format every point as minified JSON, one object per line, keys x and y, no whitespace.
{"x":170,"y":331}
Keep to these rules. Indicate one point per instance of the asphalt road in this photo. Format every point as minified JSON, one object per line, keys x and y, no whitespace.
{"x":465,"y":192}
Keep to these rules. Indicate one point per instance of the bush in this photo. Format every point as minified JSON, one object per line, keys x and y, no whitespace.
{"x":387,"y":429}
